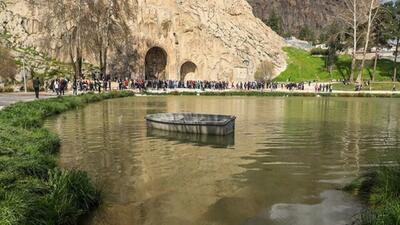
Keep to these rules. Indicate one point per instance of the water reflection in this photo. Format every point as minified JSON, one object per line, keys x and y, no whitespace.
{"x":287,"y":156}
{"x":215,"y":141}
{"x":335,"y":206}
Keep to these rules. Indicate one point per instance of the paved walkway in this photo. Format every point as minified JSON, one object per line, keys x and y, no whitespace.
{"x":279,"y":90}
{"x":10,"y":98}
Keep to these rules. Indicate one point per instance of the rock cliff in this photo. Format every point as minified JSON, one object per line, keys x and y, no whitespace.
{"x":298,"y":13}
{"x":178,"y":39}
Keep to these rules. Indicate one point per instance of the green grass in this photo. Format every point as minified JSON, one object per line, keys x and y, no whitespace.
{"x":302,"y":66}
{"x":380,"y":189}
{"x":33,"y":191}
{"x":387,"y":86}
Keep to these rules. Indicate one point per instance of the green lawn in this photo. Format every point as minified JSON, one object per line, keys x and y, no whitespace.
{"x":305,"y":67}
{"x":386,"y":86}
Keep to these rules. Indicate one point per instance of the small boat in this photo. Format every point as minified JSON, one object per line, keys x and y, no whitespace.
{"x":214,"y":141}
{"x":192,"y":123}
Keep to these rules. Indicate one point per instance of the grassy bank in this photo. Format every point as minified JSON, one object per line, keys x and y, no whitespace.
{"x":275,"y":94}
{"x":382,"y":86}
{"x":302,"y":66}
{"x":381,"y":191}
{"x":33,"y":191}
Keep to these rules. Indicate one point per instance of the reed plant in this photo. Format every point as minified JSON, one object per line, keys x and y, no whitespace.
{"x":380,"y":190}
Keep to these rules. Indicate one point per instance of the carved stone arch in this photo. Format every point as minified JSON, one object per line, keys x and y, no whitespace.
{"x":188,"y":71}
{"x":156,"y":61}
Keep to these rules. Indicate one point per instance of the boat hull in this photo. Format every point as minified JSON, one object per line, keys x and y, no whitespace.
{"x":223,"y":128}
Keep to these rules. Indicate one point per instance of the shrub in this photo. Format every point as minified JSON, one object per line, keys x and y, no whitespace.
{"x":380,"y":189}
{"x":319,"y":51}
{"x":6,"y":89}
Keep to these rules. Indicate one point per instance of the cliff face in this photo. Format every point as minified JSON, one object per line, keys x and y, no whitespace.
{"x":297,"y":13}
{"x":175,"y":39}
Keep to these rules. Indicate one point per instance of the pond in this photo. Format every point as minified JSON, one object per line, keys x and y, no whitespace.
{"x":285,"y":164}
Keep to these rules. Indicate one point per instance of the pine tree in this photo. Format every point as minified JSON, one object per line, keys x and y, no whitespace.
{"x":275,"y":21}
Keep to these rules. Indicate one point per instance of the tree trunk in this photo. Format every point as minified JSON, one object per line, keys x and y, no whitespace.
{"x":367,"y":36}
{"x":353,"y":67}
{"x":375,"y":64}
{"x":78,"y":62}
{"x":396,"y":54}
{"x":71,"y":56}
{"x":353,"y":61}
{"x":104,"y":62}
{"x":101,"y":59}
{"x":105,"y":41}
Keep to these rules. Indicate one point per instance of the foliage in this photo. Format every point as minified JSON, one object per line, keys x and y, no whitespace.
{"x":380,"y":189}
{"x":335,"y":39}
{"x":275,"y":22}
{"x":389,"y":20}
{"x":6,"y":89}
{"x":32,"y":190}
{"x":302,"y":66}
{"x":388,"y":29}
{"x":307,"y":34}
{"x":265,"y":71}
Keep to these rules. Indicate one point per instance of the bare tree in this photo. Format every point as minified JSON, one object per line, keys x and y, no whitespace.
{"x":64,"y":24}
{"x":353,"y":16}
{"x":108,"y":29}
{"x":265,"y":71}
{"x":371,"y":17}
{"x":80,"y":27}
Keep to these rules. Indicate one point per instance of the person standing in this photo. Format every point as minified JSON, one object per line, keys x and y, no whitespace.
{"x":57,"y":87}
{"x":36,"y":86}
{"x":62,"y":86}
{"x":98,"y":85}
{"x":74,"y":88}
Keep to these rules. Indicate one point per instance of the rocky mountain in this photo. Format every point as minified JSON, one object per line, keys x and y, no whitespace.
{"x":297,"y":14}
{"x":173,"y":39}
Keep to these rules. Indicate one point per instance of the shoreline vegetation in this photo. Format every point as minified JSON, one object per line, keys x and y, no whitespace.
{"x":33,"y":191}
{"x":379,"y":189}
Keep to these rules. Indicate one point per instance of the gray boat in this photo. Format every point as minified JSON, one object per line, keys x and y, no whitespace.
{"x":192,"y":123}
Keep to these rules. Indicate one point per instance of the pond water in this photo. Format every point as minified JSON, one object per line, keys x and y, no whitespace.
{"x":283,"y":166}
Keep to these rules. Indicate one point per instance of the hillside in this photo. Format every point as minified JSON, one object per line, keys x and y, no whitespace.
{"x":296,"y":14}
{"x":302,"y":66}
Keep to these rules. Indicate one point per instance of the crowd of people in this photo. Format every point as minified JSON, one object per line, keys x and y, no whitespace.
{"x":60,"y":85}
{"x":323,"y":88}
